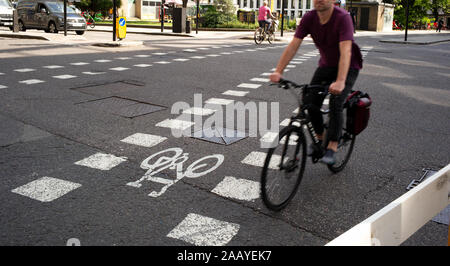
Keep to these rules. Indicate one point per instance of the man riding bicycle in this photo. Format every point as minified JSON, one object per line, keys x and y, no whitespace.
{"x":331,"y":29}
{"x":264,"y":13}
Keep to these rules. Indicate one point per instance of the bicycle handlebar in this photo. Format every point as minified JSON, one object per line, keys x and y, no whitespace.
{"x":287,"y":84}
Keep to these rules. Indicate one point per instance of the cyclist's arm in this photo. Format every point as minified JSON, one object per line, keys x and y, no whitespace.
{"x":345,"y":50}
{"x":286,"y":57}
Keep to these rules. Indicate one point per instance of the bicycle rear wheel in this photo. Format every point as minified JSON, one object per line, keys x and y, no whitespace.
{"x":283,"y":168}
{"x":345,"y":149}
{"x":258,"y":37}
{"x":271,"y":37}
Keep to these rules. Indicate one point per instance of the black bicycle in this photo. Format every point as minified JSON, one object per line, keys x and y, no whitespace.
{"x":285,"y":162}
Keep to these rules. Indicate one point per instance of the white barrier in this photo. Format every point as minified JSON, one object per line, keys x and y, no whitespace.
{"x":403,"y":217}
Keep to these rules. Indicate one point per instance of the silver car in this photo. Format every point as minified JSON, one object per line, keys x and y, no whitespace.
{"x":48,"y":15}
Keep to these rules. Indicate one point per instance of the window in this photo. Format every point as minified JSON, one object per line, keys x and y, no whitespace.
{"x":245,"y":3}
{"x":251,"y":3}
{"x":258,"y":3}
{"x":300,"y":3}
{"x":292,"y":14}
{"x":278,"y":4}
{"x":308,"y":4}
{"x":292,"y":4}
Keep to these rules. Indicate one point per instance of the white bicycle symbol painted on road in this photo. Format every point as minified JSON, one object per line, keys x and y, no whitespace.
{"x":175,"y":161}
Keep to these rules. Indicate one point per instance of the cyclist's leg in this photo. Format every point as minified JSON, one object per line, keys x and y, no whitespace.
{"x":322,"y":76}
{"x":337,"y":106}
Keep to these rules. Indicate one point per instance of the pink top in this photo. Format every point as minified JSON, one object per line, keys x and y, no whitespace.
{"x":263,"y":11}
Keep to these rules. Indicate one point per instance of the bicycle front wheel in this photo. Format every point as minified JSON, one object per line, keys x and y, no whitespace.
{"x":258,"y":37}
{"x":283,"y":168}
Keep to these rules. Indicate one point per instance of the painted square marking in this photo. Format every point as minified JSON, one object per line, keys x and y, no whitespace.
{"x":101,"y":161}
{"x":204,"y":231}
{"x":235,"y":93}
{"x":249,"y":85}
{"x":23,"y":70}
{"x":53,"y":67}
{"x":31,"y":81}
{"x":119,"y":68}
{"x":240,"y":189}
{"x":46,"y":189}
{"x":256,"y":158}
{"x":175,"y":124}
{"x":199,"y":111}
{"x":143,"y":65}
{"x":219,"y":101}
{"x":64,"y":77}
{"x":79,"y":64}
{"x":144,"y":140}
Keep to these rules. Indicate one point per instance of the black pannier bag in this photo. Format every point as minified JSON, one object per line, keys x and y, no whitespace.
{"x":358,"y":111}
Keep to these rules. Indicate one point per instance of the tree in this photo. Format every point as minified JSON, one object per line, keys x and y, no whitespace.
{"x":417,"y":12}
{"x":438,"y":5}
{"x":96,"y":6}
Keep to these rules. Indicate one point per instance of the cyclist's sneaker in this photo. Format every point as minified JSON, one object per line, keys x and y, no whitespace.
{"x":312,"y":148}
{"x":328,"y":158}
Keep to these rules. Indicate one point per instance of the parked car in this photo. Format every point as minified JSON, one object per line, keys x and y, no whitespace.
{"x":6,"y":14}
{"x":48,"y":15}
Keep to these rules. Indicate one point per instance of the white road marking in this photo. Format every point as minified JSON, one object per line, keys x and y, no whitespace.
{"x":159,"y":53}
{"x":203,"y":48}
{"x":213,"y":55}
{"x":292,"y":140}
{"x":145,"y":140}
{"x":79,"y":63}
{"x":260,"y":79}
{"x":241,"y":189}
{"x":181,"y":59}
{"x":46,"y":189}
{"x":190,"y":50}
{"x":266,"y":74}
{"x":93,"y":73}
{"x":31,"y":81}
{"x":235,"y":93}
{"x":64,"y":77}
{"x":290,"y":66}
{"x":102,"y":60}
{"x":198,"y":57}
{"x":267,"y":141}
{"x":143,"y":65}
{"x":256,"y":158}
{"x":142,"y":55}
{"x":199,"y":111}
{"x":219,"y":101}
{"x":286,"y":121}
{"x":3,"y":87}
{"x":123,"y":58}
{"x":216,"y":47}
{"x":296,"y":62}
{"x":251,"y":50}
{"x":175,"y":124}
{"x":238,"y":51}
{"x":162,"y":62}
{"x":119,"y":68}
{"x":2,"y":73}
{"x":249,"y":85}
{"x":101,"y":161}
{"x":226,"y":53}
{"x":204,"y":231}
{"x":53,"y":67}
{"x":23,"y":70}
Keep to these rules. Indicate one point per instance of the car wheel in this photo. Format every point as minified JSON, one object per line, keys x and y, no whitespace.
{"x":21,"y":26}
{"x":52,"y":27}
{"x":80,"y":32}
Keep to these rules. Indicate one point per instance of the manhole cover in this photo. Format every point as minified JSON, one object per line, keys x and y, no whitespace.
{"x":109,"y":88}
{"x":123,"y":107}
{"x":223,"y":136}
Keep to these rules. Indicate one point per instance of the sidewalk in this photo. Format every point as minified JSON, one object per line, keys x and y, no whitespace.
{"x":421,"y":37}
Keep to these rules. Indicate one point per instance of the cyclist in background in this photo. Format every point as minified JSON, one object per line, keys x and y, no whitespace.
{"x":264,"y":13}
{"x":331,"y":29}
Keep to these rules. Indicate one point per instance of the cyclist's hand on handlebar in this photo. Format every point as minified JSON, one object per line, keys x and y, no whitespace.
{"x":275,"y":77}
{"x":337,"y":87}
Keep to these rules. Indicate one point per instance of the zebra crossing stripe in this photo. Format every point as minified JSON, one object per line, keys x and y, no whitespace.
{"x":23,"y":70}
{"x":204,"y":231}
{"x":249,"y":85}
{"x":181,"y":59}
{"x":142,"y":55}
{"x":46,"y":189}
{"x":162,"y":62}
{"x":199,"y":111}
{"x":79,"y":64}
{"x":31,"y":81}
{"x":260,"y":79}
{"x":101,"y":161}
{"x":64,"y":77}
{"x":102,"y":60}
{"x":143,"y":65}
{"x":198,"y":57}
{"x":144,"y":140}
{"x":240,"y":189}
{"x":3,"y":87}
{"x":93,"y":73}
{"x":159,"y":53}
{"x":213,"y":55}
{"x":256,"y":158}
{"x":218,"y":101}
{"x":119,"y":68}
{"x":53,"y":67}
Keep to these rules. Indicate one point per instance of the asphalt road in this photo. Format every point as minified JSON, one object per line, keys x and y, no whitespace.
{"x":62,"y":104}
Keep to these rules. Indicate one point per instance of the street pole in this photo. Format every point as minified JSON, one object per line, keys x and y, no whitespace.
{"x":114,"y":20}
{"x":197,"y":16}
{"x":407,"y":20}
{"x":65,"y":17}
{"x":161,"y":16}
{"x":282,"y":17}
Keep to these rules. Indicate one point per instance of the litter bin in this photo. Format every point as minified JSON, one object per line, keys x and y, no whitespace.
{"x":188,"y":26}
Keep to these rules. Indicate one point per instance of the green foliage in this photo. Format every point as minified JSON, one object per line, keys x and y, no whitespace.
{"x":97,"y":6}
{"x":417,"y":12}
{"x":214,"y":16}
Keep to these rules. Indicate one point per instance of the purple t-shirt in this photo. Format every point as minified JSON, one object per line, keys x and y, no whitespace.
{"x":327,"y":37}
